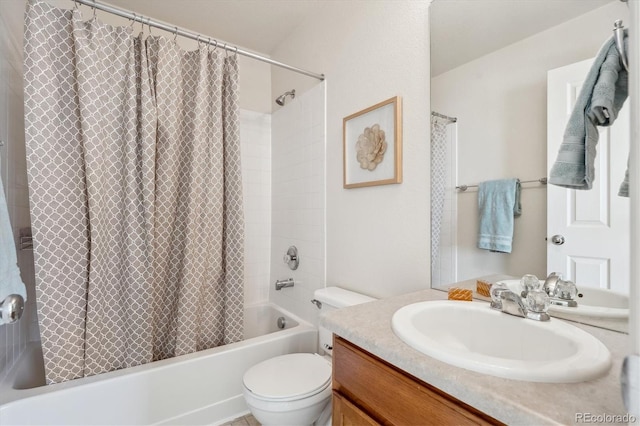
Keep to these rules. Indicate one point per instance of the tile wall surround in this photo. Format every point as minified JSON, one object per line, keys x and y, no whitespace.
{"x":255,"y":137}
{"x":298,"y":200}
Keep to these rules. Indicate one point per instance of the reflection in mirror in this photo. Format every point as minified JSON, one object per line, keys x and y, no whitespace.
{"x":504,"y":75}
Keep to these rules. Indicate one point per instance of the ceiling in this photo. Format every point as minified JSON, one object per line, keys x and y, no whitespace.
{"x":463,"y":30}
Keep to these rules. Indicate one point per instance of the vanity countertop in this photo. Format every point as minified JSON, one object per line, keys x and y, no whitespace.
{"x":509,"y":401}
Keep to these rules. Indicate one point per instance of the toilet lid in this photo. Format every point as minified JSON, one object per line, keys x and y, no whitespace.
{"x":288,"y":376}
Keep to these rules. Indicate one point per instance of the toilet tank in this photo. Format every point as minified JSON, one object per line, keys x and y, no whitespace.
{"x":333,"y":298}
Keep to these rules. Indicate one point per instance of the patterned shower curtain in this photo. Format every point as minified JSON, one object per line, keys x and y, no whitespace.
{"x":438,"y":183}
{"x":133,"y":158}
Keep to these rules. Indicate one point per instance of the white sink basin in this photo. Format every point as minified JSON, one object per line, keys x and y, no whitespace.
{"x":592,"y":303}
{"x":473,"y":336}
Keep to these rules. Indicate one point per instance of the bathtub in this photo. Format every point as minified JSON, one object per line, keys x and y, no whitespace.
{"x":199,"y":388}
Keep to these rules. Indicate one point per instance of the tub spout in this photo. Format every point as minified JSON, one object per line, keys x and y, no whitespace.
{"x":280,"y":284}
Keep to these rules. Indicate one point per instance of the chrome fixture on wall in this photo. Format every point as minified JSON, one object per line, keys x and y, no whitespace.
{"x":11,"y":309}
{"x":618,"y":34}
{"x":280,"y":284}
{"x":291,"y":258}
{"x":280,"y":100}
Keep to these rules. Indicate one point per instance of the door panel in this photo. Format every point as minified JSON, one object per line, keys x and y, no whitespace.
{"x":594,"y":223}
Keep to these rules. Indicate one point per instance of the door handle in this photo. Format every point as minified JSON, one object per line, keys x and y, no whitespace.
{"x":557,"y":240}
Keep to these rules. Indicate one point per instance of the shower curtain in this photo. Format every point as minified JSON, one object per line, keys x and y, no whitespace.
{"x":438,"y":183}
{"x":133,"y":158}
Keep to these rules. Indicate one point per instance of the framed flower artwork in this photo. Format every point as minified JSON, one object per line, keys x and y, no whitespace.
{"x":372,"y":144}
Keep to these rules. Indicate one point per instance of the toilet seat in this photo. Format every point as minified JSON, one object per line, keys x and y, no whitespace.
{"x":288,"y":377}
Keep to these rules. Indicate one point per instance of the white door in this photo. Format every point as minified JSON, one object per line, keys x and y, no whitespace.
{"x":594,"y":224}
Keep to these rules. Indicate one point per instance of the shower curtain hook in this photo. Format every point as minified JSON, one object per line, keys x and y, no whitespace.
{"x":133,"y":20}
{"x":149,"y":25}
{"x":75,"y":5}
{"x":94,"y":10}
{"x":175,"y":36}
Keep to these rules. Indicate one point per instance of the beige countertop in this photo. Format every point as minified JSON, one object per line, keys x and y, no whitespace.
{"x":510,"y":401}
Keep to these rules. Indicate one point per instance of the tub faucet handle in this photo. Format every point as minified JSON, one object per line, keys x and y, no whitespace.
{"x":11,"y":309}
{"x":291,"y":258}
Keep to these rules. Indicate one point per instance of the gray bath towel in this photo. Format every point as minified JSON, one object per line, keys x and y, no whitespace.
{"x":602,"y":95}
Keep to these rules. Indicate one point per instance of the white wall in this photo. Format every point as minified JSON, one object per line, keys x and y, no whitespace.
{"x":501,"y":104}
{"x":298,"y":200}
{"x":377,"y":237}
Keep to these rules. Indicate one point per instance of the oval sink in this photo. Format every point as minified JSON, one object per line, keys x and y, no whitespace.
{"x":471,"y":335}
{"x":592,"y":302}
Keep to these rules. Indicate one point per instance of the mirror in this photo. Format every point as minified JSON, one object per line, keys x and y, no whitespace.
{"x":490,"y":61}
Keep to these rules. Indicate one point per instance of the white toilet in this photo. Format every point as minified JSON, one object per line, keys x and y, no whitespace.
{"x":295,"y":389}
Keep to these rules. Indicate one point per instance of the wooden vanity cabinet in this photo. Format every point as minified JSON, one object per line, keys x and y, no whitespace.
{"x":370,"y":391}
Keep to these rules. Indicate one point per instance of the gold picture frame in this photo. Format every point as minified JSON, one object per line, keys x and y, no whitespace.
{"x":372,"y":145}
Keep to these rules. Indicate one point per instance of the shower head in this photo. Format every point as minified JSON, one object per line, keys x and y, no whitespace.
{"x":281,"y":99}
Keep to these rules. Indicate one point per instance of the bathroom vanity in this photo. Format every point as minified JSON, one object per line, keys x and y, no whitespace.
{"x":368,"y":390}
{"x":377,"y":378}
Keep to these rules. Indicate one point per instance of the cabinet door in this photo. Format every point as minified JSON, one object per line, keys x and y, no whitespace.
{"x":393,"y":397}
{"x":347,"y":414}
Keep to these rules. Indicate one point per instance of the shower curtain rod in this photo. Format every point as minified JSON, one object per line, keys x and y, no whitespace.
{"x":446,"y":117}
{"x":191,"y":35}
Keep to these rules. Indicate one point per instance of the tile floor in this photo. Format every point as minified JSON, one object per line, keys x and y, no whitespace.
{"x":247,"y":420}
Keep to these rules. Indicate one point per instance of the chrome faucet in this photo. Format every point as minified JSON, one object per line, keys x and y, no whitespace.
{"x":561,"y":292}
{"x":505,"y":300}
{"x":280,"y":284}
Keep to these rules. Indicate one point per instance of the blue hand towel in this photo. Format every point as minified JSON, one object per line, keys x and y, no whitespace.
{"x":498,"y":203}
{"x":602,"y":95}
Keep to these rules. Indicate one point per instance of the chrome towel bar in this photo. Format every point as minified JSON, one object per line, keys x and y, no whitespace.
{"x":463,"y":188}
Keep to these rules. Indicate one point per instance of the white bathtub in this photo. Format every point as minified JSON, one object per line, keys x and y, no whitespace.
{"x":200,"y":388}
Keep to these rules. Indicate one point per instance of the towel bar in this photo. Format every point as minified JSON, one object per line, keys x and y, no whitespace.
{"x":463,"y":188}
